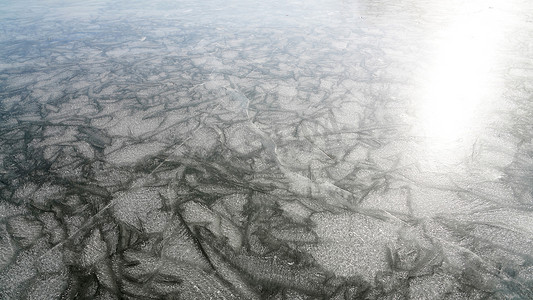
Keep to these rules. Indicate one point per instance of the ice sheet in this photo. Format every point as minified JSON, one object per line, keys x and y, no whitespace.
{"x":266,"y":149}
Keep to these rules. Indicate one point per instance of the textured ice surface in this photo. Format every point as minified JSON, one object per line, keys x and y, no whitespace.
{"x":266,"y":150}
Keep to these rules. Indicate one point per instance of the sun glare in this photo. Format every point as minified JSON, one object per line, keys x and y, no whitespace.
{"x":459,"y":84}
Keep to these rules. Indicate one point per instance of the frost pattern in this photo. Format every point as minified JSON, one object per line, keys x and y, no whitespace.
{"x":178,"y":150}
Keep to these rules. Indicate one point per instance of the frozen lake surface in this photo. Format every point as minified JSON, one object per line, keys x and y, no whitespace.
{"x":266,"y":150}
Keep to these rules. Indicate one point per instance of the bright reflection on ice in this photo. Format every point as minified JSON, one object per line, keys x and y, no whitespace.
{"x":459,"y":84}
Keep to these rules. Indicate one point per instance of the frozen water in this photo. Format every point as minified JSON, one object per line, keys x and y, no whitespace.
{"x":266,"y":149}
